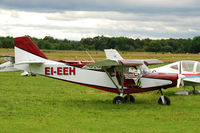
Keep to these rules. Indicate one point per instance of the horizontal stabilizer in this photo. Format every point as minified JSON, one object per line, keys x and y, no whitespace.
{"x":30,"y":62}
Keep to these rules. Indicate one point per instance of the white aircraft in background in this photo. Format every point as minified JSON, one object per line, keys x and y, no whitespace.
{"x":9,"y":66}
{"x":188,"y":71}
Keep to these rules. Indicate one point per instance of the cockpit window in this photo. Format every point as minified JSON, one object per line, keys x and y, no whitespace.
{"x":198,"y":68}
{"x":144,"y":69}
{"x":174,"y":67}
{"x":132,"y":69}
{"x":188,"y":66}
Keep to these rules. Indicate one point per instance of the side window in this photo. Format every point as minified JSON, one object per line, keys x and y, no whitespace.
{"x":174,"y":67}
{"x":198,"y":68}
{"x":188,"y":66}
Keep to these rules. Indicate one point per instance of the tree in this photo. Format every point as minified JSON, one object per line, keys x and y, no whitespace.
{"x":154,"y":46}
{"x":195,"y":47}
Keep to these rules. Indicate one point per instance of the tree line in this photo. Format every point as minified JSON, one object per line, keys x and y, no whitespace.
{"x":120,"y":43}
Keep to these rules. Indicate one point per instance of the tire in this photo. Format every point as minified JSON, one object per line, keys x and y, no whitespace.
{"x":32,"y":74}
{"x":118,"y":100}
{"x":167,"y":101}
{"x":129,"y":99}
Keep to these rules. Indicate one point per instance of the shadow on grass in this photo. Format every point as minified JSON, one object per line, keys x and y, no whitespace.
{"x":108,"y":105}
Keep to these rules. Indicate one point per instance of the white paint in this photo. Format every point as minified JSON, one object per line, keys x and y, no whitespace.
{"x":84,"y":76}
{"x":149,"y":82}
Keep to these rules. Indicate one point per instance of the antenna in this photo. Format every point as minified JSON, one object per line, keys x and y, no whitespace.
{"x":90,"y":56}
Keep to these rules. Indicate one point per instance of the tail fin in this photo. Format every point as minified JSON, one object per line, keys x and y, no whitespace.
{"x":27,"y":51}
{"x":112,"y":54}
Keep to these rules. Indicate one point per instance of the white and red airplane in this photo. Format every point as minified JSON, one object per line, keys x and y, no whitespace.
{"x":108,"y":75}
{"x":188,"y":71}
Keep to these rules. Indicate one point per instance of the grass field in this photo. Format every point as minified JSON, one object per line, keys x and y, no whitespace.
{"x":40,"y":104}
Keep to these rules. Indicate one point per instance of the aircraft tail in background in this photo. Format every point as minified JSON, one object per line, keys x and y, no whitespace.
{"x":112,"y":54}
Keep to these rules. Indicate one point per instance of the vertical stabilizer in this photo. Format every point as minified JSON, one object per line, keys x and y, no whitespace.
{"x":27,"y":51}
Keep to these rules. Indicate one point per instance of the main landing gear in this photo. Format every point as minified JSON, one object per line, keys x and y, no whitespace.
{"x":163,"y":100}
{"x":127,"y":99}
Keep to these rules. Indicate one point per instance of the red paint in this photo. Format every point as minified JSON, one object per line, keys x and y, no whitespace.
{"x":167,"y":76}
{"x":47,"y":70}
{"x":72,"y":71}
{"x":52,"y":71}
{"x":59,"y":71}
{"x":26,"y":44}
{"x":131,"y":62}
{"x":65,"y":71}
{"x":140,"y":62}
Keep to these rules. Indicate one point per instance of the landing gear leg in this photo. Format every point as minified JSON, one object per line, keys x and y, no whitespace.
{"x":163,"y":100}
{"x":184,"y":92}
{"x":194,"y":91}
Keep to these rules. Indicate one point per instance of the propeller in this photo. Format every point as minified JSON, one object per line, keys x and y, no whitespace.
{"x":180,"y":76}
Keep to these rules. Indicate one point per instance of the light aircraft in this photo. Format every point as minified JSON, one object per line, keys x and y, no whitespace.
{"x":107,"y":75}
{"x":9,"y":66}
{"x":188,"y":71}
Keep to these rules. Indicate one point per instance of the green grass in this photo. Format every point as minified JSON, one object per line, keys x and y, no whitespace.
{"x":40,"y":104}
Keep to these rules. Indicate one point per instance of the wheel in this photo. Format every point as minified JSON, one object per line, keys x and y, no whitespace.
{"x":118,"y":100}
{"x":32,"y":74}
{"x":166,"y":99}
{"x":129,"y":99}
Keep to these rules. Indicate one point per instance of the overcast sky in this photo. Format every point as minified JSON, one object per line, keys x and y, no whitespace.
{"x":76,"y":19}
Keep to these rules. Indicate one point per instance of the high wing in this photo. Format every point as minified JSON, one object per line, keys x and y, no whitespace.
{"x":145,"y":61}
{"x":103,"y":63}
{"x":110,"y":63}
{"x":112,"y":54}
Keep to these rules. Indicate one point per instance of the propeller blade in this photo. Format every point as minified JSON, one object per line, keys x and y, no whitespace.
{"x":180,"y":80}
{"x":182,"y":83}
{"x":180,"y":67}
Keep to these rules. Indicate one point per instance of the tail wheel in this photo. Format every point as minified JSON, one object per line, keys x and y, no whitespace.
{"x":165,"y":102}
{"x":118,"y":100}
{"x":129,"y":99}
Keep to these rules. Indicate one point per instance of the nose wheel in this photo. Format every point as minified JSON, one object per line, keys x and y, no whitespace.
{"x":163,"y":100}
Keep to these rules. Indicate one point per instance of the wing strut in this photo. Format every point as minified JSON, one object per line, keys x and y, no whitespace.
{"x":119,"y":89}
